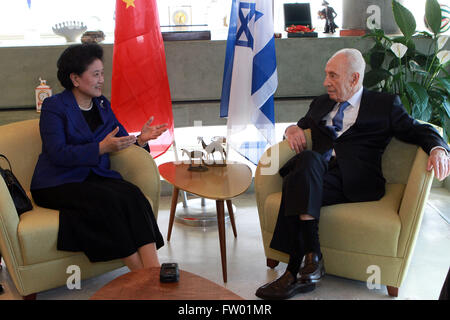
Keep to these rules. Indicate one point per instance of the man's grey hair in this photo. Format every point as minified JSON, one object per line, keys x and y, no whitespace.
{"x":355,"y":61}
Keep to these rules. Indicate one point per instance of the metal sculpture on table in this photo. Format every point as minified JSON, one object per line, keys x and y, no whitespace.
{"x":216,"y":145}
{"x":195,"y":154}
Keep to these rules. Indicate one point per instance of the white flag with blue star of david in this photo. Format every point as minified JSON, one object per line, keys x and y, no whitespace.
{"x":250,"y":78}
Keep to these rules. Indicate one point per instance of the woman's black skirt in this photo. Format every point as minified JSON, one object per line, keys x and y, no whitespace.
{"x":103,"y":217}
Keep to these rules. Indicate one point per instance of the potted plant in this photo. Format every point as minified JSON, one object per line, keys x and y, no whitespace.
{"x":421,"y":79}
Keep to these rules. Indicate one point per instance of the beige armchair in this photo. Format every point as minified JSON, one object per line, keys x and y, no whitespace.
{"x":28,"y":243}
{"x":356,"y":236}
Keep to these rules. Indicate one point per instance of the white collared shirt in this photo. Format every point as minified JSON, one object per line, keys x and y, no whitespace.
{"x":350,"y":113}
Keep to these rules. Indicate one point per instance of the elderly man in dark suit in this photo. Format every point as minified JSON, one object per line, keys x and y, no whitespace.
{"x":350,"y":128}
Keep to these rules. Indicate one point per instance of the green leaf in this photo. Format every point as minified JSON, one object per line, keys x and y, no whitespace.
{"x":433,"y":15}
{"x":375,"y":76}
{"x":446,"y":126}
{"x":425,"y":34}
{"x":375,"y":33}
{"x":416,"y":68}
{"x":406,"y":103}
{"x":404,"y":19}
{"x":426,"y":115}
{"x":398,"y":76}
{"x":444,"y":84}
{"x":446,"y":106}
{"x":444,"y":122}
{"x":419,"y":97}
{"x":445,"y":65}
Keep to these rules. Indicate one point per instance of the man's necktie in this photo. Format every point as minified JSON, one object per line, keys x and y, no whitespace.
{"x":336,"y":126}
{"x":339,"y":117}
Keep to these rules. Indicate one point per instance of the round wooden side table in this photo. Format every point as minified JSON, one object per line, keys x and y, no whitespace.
{"x":217,"y":183}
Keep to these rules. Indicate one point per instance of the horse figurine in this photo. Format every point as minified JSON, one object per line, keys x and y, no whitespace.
{"x":195,"y":154}
{"x":214,"y":146}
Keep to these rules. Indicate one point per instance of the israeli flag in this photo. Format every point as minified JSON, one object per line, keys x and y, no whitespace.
{"x":250,"y":78}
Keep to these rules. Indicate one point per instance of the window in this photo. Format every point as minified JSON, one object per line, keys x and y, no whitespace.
{"x":21,"y":24}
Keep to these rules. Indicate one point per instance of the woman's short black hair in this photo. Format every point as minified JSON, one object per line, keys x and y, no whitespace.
{"x":76,"y":59}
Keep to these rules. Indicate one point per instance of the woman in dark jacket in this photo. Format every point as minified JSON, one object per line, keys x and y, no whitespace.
{"x":101,"y":214}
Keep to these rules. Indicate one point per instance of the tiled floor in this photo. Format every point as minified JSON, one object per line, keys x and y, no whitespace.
{"x":196,"y":250}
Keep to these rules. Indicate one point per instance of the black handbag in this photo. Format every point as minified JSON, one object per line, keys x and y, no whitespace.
{"x":19,"y":196}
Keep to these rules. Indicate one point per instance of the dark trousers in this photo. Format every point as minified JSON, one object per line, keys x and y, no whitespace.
{"x":309,"y":183}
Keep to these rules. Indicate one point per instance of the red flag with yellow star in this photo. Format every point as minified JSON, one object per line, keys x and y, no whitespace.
{"x":140,"y":87}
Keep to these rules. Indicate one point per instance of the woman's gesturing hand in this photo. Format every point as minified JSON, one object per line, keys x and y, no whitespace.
{"x":111,"y":143}
{"x":149,"y":132}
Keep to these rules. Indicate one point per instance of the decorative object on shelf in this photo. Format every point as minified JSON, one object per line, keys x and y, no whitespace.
{"x":299,"y":29}
{"x":180,"y":16}
{"x":328,"y":14}
{"x":42,"y":91}
{"x":195,"y":154}
{"x":216,"y":145}
{"x":420,"y":79}
{"x":70,"y":30}
{"x":297,"y":20}
{"x":93,"y":36}
{"x":181,"y":26}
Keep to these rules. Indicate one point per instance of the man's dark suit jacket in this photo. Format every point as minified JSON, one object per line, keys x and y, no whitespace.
{"x":359,"y":149}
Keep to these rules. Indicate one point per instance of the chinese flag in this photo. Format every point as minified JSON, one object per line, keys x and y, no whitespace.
{"x":140,"y":87}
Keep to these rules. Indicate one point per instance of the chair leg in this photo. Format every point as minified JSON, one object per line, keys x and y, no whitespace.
{"x":271,"y":263}
{"x":392,"y":291}
{"x":30,"y":297}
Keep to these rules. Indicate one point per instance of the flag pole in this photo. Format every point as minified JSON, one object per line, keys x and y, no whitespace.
{"x":175,"y":151}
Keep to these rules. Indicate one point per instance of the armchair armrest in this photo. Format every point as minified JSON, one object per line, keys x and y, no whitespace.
{"x":413,"y":203}
{"x":138,"y":167}
{"x":9,"y":222}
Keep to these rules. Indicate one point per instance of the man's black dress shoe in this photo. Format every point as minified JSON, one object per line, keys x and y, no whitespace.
{"x":313,"y":269}
{"x":284,"y":287}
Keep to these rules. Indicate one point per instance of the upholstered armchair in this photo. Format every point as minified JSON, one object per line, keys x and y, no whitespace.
{"x":28,"y":243}
{"x":354,"y":237}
